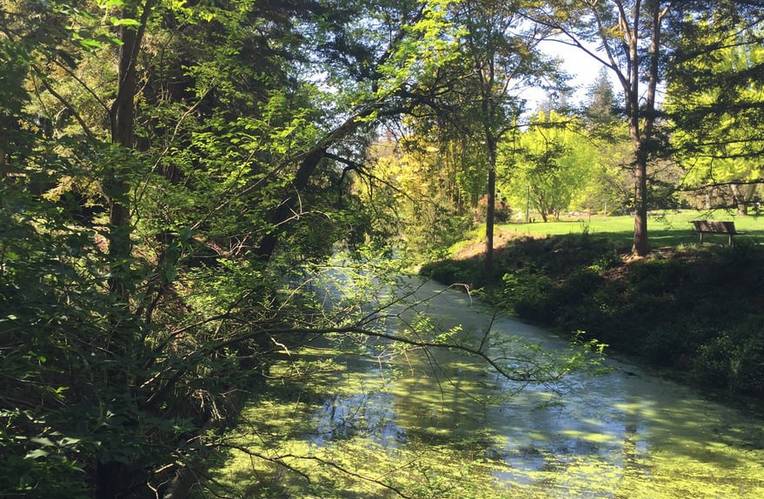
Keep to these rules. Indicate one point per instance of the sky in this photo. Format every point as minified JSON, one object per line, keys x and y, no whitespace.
{"x":582,"y":68}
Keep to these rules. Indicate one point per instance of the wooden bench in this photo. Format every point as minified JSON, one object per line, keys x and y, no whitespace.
{"x":714,"y":227}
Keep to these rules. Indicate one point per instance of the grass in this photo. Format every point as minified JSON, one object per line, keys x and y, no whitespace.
{"x":665,"y":228}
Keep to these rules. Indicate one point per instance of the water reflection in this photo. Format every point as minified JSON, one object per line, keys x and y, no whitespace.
{"x":622,"y":434}
{"x":368,"y":415}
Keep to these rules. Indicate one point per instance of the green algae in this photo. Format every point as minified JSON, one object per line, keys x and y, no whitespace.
{"x":437,"y":424}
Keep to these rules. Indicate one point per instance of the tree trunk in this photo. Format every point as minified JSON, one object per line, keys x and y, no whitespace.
{"x":641,"y":246}
{"x":491,"y":204}
{"x":114,"y":478}
{"x":741,"y":199}
{"x":643,"y":139}
{"x":123,"y":133}
{"x":307,"y":168}
{"x":284,"y":211}
{"x":3,"y":163}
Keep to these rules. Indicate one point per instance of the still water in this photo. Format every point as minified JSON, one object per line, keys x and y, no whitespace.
{"x":439,"y":423}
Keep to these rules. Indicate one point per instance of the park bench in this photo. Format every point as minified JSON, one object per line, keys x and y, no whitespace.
{"x":714,"y":227}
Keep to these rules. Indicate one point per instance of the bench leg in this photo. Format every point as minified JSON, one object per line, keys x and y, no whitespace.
{"x":732,"y":241}
{"x":701,"y":237}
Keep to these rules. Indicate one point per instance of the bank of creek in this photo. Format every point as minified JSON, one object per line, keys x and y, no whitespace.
{"x":440,"y":423}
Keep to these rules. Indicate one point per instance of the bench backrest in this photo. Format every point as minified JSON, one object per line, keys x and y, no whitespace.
{"x":714,"y":226}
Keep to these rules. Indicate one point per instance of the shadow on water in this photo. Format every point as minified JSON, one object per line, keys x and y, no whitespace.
{"x":441,"y":425}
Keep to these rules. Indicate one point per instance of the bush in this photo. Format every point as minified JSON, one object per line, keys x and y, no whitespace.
{"x":525,"y":291}
{"x":734,"y":359}
{"x":696,"y":311}
{"x":502,"y":211}
{"x":452,"y":271}
{"x":664,"y":346}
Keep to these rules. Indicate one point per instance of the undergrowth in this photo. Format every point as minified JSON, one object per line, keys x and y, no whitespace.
{"x":697,"y":310}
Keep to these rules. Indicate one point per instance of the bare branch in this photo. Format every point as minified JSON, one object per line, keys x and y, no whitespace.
{"x":65,"y":102}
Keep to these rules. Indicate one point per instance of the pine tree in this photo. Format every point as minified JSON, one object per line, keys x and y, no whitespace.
{"x":601,"y":99}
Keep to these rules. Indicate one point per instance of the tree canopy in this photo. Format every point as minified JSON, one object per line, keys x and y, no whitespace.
{"x":173,"y":174}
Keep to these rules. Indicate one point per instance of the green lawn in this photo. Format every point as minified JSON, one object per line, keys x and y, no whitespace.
{"x":665,"y":228}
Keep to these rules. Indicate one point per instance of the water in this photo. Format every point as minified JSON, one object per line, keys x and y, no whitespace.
{"x":442,"y":424}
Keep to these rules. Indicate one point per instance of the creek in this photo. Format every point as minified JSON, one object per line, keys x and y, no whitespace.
{"x":440,"y":423}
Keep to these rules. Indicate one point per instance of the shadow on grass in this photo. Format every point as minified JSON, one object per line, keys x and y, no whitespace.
{"x":660,"y":238}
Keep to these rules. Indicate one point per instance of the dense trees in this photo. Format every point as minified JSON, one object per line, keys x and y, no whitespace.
{"x":637,"y":41}
{"x":644,"y":45}
{"x":169,"y":170}
{"x":153,"y":156}
{"x":499,"y":56}
{"x":552,"y":164}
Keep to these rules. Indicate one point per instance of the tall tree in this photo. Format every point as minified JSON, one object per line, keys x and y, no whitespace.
{"x":625,"y":36}
{"x":498,"y":57}
{"x":600,"y":107}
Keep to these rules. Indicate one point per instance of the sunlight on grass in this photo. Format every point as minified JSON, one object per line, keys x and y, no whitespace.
{"x":667,"y":228}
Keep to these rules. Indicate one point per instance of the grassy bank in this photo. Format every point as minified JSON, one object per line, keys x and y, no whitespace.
{"x":667,"y":228}
{"x":699,"y":310}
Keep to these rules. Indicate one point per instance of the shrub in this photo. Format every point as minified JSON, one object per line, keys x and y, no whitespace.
{"x":664,"y":346}
{"x":525,"y":291}
{"x":734,"y":359}
{"x":502,"y":211}
{"x":696,"y":311}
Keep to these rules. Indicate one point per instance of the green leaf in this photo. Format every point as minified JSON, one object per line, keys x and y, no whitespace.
{"x":133,"y":23}
{"x":36,"y":453}
{"x":110,"y":4}
{"x":69,"y":441}
{"x":90,"y":43}
{"x":45,"y":442}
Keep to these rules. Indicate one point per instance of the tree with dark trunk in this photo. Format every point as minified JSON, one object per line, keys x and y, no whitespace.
{"x":498,"y":58}
{"x":122,"y":119}
{"x":625,"y":37}
{"x":114,"y":478}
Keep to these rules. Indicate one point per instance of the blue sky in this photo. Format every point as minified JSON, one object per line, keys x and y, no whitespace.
{"x":583,"y":70}
{"x":580,"y":66}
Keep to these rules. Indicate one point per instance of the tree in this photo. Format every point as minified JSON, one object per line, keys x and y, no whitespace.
{"x":628,"y":36}
{"x":600,"y":108}
{"x":418,"y":186}
{"x":553,"y":161}
{"x":714,"y":98}
{"x":638,"y":40}
{"x":498,"y":56}
{"x":140,"y":207}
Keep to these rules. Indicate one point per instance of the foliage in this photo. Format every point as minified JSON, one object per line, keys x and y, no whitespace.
{"x":418,"y":195}
{"x":135,"y":290}
{"x":714,"y":99}
{"x":552,"y":163}
{"x":175,"y":178}
{"x":680,"y":312}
